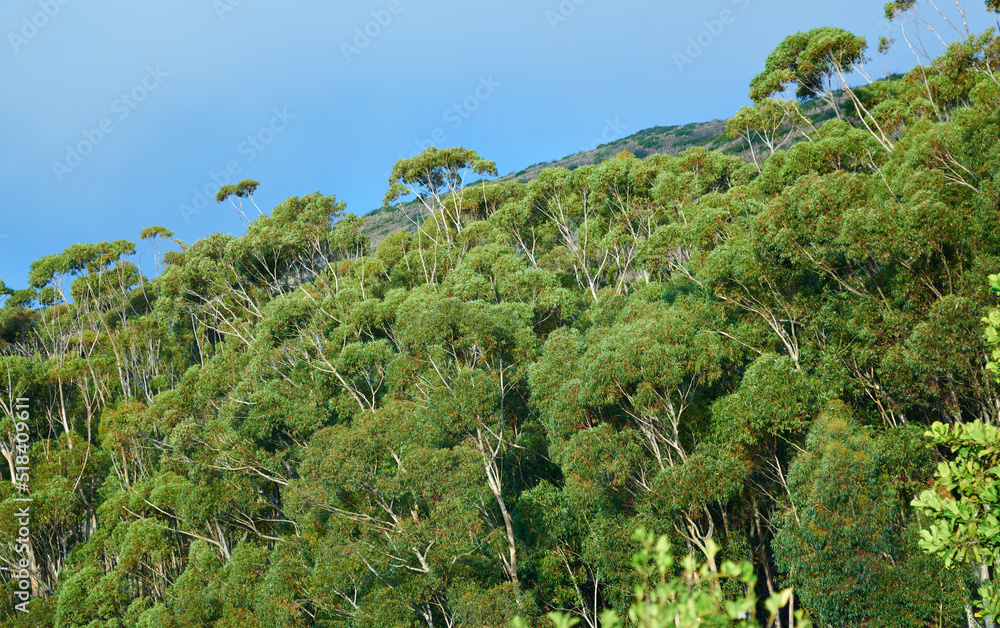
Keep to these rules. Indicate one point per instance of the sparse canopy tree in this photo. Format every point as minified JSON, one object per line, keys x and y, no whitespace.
{"x":812,"y":62}
{"x":150,"y":234}
{"x":908,"y":9}
{"x":817,"y":63}
{"x":436,"y":179}
{"x":241,"y":190}
{"x":769,"y":123}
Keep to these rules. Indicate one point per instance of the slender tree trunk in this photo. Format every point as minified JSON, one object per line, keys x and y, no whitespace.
{"x":493,"y":479}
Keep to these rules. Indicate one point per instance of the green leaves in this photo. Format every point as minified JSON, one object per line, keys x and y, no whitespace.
{"x":150,"y":233}
{"x":992,"y":321}
{"x":964,"y":514}
{"x":693,"y":598}
{"x":962,"y":506}
{"x":437,"y":178}
{"x":844,"y":539}
{"x":773,"y":400}
{"x":808,"y":60}
{"x":243,"y":189}
{"x":284,"y":428}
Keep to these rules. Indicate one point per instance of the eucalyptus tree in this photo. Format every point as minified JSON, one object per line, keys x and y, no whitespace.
{"x":437,"y":179}
{"x":818,"y":63}
{"x":770,"y":123}
{"x":845,"y":539}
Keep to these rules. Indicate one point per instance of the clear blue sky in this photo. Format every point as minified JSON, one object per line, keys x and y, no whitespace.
{"x":115,"y":113}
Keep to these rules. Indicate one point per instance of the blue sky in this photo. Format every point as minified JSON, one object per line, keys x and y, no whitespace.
{"x":116,"y":115}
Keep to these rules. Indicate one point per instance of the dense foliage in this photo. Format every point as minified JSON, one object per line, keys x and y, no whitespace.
{"x":468,"y":422}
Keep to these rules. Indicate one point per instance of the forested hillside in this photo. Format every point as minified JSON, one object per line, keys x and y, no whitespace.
{"x":661,"y":140}
{"x":467,"y":423}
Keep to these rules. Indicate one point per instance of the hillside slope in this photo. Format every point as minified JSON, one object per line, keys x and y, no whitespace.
{"x":657,"y":140}
{"x":669,"y":140}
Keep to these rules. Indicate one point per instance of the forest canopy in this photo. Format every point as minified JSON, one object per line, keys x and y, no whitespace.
{"x":766,"y":363}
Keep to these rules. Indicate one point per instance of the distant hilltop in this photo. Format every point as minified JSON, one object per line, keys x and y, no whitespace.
{"x":657,"y":140}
